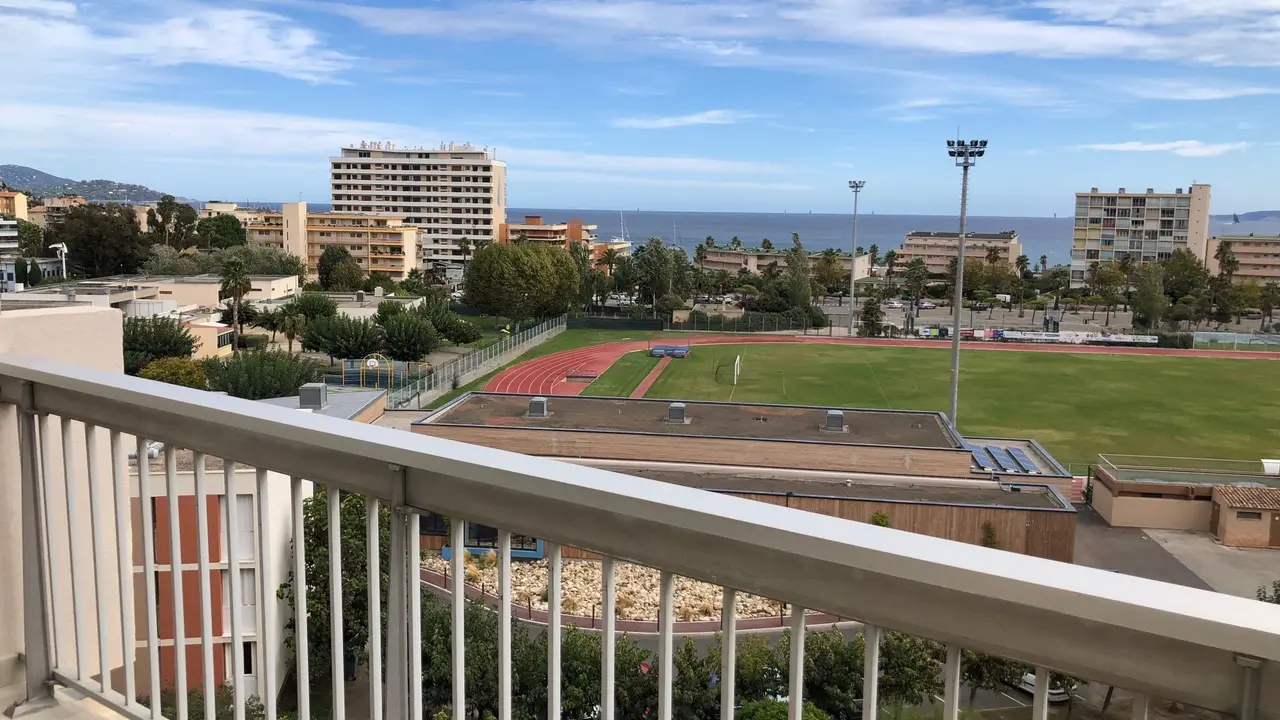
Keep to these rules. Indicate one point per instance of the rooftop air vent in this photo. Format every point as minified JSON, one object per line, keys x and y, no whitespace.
{"x":313,"y":396}
{"x":359,"y":296}
{"x":835,"y":421}
{"x":676,"y":413}
{"x":538,"y":408}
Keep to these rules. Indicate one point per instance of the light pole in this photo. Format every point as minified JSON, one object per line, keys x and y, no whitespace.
{"x":965,"y":153}
{"x":856,"y":186}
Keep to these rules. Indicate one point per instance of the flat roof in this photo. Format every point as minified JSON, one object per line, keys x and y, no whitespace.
{"x":705,"y":419}
{"x":343,"y":403}
{"x":980,"y":493}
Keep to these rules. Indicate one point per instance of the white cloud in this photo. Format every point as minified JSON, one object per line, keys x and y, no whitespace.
{"x":1176,"y":89}
{"x":1185,"y":148}
{"x":707,"y":117}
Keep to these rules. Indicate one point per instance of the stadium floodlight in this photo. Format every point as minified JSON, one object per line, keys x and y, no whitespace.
{"x":965,"y":154}
{"x":856,"y":186}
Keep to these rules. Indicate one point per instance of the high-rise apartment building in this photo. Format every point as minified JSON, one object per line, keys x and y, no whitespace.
{"x":452,"y":192}
{"x":383,"y":243}
{"x":938,"y":249}
{"x":1146,"y":227}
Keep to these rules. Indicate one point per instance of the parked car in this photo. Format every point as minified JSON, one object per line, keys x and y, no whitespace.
{"x":1057,"y":694}
{"x":980,"y":306}
{"x":926,"y":305}
{"x":893,"y":304}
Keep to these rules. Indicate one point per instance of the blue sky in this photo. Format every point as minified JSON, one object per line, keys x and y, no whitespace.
{"x":729,"y":105}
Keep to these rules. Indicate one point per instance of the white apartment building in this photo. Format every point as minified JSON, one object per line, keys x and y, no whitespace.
{"x":1146,"y":227}
{"x":452,"y":192}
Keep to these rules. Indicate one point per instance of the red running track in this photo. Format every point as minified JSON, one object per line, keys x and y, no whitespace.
{"x":547,"y":375}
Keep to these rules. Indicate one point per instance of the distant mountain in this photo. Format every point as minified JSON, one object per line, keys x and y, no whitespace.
{"x":1254,"y":216}
{"x":42,"y":184}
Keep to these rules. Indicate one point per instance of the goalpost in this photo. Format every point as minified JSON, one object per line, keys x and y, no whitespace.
{"x":737,"y":368}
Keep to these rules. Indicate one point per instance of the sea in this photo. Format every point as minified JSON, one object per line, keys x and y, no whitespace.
{"x":818,"y":231}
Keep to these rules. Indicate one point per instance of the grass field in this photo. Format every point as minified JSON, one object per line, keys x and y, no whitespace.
{"x":622,"y":377}
{"x":1076,"y":405}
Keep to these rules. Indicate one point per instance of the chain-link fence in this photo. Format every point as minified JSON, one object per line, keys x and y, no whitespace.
{"x":753,"y":322}
{"x":448,"y":376}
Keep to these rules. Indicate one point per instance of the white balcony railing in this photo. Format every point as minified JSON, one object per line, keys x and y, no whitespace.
{"x":75,"y":427}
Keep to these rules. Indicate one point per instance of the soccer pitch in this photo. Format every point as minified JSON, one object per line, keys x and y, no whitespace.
{"x":1076,"y":405}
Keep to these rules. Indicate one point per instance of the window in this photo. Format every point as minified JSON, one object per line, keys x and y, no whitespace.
{"x":225,"y":339}
{"x":1248,"y":515}
{"x":246,"y":650}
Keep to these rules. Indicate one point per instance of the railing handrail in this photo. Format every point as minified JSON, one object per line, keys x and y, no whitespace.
{"x":1091,"y":623}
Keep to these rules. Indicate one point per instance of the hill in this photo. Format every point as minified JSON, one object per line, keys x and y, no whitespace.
{"x":1254,"y":216}
{"x":42,"y":184}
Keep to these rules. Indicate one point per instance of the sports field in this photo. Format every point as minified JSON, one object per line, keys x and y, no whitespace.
{"x":1075,"y":405}
{"x":623,"y":376}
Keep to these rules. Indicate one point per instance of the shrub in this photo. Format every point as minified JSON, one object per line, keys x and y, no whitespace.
{"x":461,"y":332}
{"x":313,"y":305}
{"x":258,"y":375}
{"x":1182,"y":340}
{"x":989,"y":535}
{"x":880,"y":519}
{"x":147,"y":339}
{"x":176,"y":371}
{"x":253,"y":342}
{"x":776,"y":710}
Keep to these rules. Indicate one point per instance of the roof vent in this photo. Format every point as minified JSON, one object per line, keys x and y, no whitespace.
{"x":676,"y":413}
{"x":835,"y":421}
{"x":313,"y":396}
{"x":359,"y":296}
{"x":1151,"y":191}
{"x":378,"y":291}
{"x":1093,"y":190}
{"x":538,"y":408}
{"x":1122,"y":191}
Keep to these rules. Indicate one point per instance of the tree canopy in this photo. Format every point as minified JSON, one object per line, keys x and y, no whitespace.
{"x":521,"y":280}
{"x":221,"y":231}
{"x":151,"y":338}
{"x":331,"y":258}
{"x":259,"y":375}
{"x":101,"y":239}
{"x":172,"y":223}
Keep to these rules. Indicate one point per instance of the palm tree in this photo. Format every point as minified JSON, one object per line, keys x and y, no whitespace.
{"x":735,"y":243}
{"x":890,"y":261}
{"x":464,"y":247}
{"x":766,"y":244}
{"x":1227,"y":262}
{"x":874,"y":252}
{"x":709,"y":243}
{"x":993,"y":255}
{"x":1129,"y":269}
{"x":235,"y":285}
{"x":1044,"y":264}
{"x":1022,"y":264}
{"x":292,"y":325}
{"x":609,"y":260}
{"x":1091,"y":277}
{"x":700,"y":255}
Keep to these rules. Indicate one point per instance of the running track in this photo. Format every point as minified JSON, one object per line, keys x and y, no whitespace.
{"x":548,"y":374}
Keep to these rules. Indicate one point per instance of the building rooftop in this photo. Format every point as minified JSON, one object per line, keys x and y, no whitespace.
{"x":1190,"y":472}
{"x":975,"y":493}
{"x":1254,"y":498}
{"x":342,"y":403}
{"x":706,"y":419}
{"x":119,"y":283}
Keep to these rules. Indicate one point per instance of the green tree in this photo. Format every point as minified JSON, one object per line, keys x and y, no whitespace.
{"x":766,"y":244}
{"x":461,"y":332}
{"x":773,"y":709}
{"x":1184,"y":274}
{"x":1129,"y":269}
{"x":1270,"y":596}
{"x":609,"y":260}
{"x":833,"y":673}
{"x":829,"y":271}
{"x":257,"y":259}
{"x":409,"y":337}
{"x":908,"y":674}
{"x":172,"y":223}
{"x":872,"y":316}
{"x":916,"y":275}
{"x":100,"y":239}
{"x":799,"y":273}
{"x":989,"y":539}
{"x":221,"y":231}
{"x":1226,"y":257}
{"x":176,"y":371}
{"x":735,"y":243}
{"x":313,"y":305}
{"x":669,"y":303}
{"x":386,"y":310}
{"x":980,"y":671}
{"x":377,"y":279}
{"x":874,"y":253}
{"x":1268,"y":299}
{"x":890,"y":263}
{"x":1109,"y":282}
{"x":147,"y":339}
{"x":346,"y":276}
{"x":1044,"y":264}
{"x":521,"y":281}
{"x":234,"y":286}
{"x":415,"y":283}
{"x":464,"y":247}
{"x":292,"y":325}
{"x":760,"y":669}
{"x":259,"y":375}
{"x":20,"y":271}
{"x":341,"y":336}
{"x":268,"y":319}
{"x":331,"y":258}
{"x":31,"y":241}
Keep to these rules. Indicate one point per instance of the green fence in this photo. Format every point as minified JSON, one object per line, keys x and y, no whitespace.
{"x":596,"y":322}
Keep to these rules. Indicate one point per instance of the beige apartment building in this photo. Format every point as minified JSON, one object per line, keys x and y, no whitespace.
{"x":1259,"y":257}
{"x":938,"y":249}
{"x":14,"y":205}
{"x":1146,"y":227}
{"x":51,"y":210}
{"x":564,"y":234}
{"x":378,"y":242}
{"x":756,"y":259}
{"x":451,"y":192}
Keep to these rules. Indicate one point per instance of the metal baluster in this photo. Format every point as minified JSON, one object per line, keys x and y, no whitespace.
{"x":300,"y":601}
{"x":229,"y":549}
{"x":336,"y":652}
{"x":728,"y":651}
{"x":666,"y":613}
{"x":266,"y":599}
{"x":870,"y":670}
{"x":1040,"y":700}
{"x":99,"y":563}
{"x":206,"y":605}
{"x":458,"y":530}
{"x":149,"y":571}
{"x":73,"y":526}
{"x":555,"y":570}
{"x":413,"y":583}
{"x":373,"y":526}
{"x":795,"y":705}
{"x":36,"y":625}
{"x":504,"y":625}
{"x":124,"y":558}
{"x":175,"y":578}
{"x":608,"y":646}
{"x":951,"y":684}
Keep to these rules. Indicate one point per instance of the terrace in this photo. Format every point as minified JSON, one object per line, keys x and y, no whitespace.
{"x":65,"y":433}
